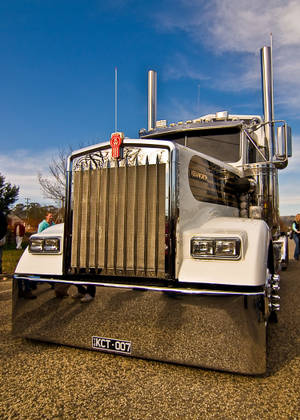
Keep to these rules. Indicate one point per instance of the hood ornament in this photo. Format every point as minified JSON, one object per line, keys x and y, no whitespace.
{"x":116,"y":140}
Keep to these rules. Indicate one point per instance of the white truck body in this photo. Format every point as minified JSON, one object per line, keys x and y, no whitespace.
{"x":187,"y":213}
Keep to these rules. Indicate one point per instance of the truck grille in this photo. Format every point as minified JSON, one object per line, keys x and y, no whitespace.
{"x":119,"y":221}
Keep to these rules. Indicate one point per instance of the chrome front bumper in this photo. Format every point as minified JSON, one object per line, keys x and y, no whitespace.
{"x":211,"y":329}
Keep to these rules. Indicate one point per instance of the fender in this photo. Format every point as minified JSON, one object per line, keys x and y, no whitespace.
{"x":43,"y":263}
{"x":249,"y":270}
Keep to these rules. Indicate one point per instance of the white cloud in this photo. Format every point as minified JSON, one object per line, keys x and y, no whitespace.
{"x":289,"y":202}
{"x":21,"y":169}
{"x":240,"y":26}
{"x":236,"y":25}
{"x":294,"y":162}
{"x":288,"y":182}
{"x":179,"y":68}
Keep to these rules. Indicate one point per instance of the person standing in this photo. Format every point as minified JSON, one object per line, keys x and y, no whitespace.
{"x":296,"y":235}
{"x":85,"y":295}
{"x":19,"y":232}
{"x":3,"y":232}
{"x":47,"y":222}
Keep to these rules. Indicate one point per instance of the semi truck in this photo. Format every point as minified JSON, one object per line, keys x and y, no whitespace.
{"x":176,"y":233}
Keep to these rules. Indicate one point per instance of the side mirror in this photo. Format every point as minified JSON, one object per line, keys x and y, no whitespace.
{"x":284,"y":142}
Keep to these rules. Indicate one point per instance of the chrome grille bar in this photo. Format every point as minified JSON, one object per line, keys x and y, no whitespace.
{"x":96,"y":261}
{"x":146,"y":213}
{"x":106,"y":207}
{"x":125,"y":215}
{"x":135,"y":219}
{"x":156,"y":213}
{"x":116,"y":202}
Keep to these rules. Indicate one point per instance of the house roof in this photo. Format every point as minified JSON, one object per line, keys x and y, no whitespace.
{"x":13,"y":219}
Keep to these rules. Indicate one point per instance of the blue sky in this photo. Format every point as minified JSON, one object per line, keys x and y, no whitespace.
{"x":57,"y":73}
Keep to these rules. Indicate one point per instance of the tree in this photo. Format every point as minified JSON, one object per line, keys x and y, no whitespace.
{"x":20,"y":210}
{"x":54,"y":186}
{"x":34,"y":213}
{"x":8,"y":194}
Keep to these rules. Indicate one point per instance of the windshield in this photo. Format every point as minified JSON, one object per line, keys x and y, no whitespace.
{"x":221,"y":143}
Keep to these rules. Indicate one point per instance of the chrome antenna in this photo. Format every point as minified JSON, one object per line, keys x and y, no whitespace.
{"x":116,"y":99}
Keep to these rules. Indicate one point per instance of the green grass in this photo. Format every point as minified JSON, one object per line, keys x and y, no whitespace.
{"x":10,"y":259}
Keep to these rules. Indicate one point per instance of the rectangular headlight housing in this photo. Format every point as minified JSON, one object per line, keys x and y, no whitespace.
{"x":52,"y":245}
{"x":36,"y":245}
{"x":202,"y":247}
{"x":216,"y":248}
{"x":44,"y":245}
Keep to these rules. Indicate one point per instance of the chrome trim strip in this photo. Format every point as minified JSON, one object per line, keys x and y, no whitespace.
{"x":67,"y":218}
{"x":184,"y":291}
{"x":132,"y":142}
{"x":173,"y":210}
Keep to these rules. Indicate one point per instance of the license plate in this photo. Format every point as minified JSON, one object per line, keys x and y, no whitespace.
{"x":111,"y":345}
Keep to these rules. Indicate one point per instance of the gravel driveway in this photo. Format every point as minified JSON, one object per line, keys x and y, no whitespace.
{"x":47,"y":381}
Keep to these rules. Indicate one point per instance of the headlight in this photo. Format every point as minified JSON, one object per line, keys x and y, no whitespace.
{"x":51,"y":245}
{"x":202,"y":247}
{"x":36,"y":245}
{"x":44,"y":245}
{"x":216,"y":248}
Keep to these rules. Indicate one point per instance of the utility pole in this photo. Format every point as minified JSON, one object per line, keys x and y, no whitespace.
{"x":27,"y":205}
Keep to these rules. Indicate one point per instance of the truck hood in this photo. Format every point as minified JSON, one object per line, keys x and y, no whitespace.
{"x":55,"y":230}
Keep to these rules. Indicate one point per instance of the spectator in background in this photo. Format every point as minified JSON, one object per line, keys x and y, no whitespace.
{"x":19,"y":232}
{"x":47,"y":222}
{"x":296,"y":235}
{"x":3,"y":231}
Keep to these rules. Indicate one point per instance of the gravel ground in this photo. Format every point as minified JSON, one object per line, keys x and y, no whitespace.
{"x":47,"y":381}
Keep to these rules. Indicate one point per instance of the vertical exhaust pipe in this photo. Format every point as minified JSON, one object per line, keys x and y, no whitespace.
{"x":268,"y":105}
{"x":268,"y":101}
{"x":152,"y":100}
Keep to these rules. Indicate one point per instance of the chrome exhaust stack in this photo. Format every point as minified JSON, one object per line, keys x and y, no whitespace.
{"x":152,"y":99}
{"x":268,"y":101}
{"x":268,"y":106}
